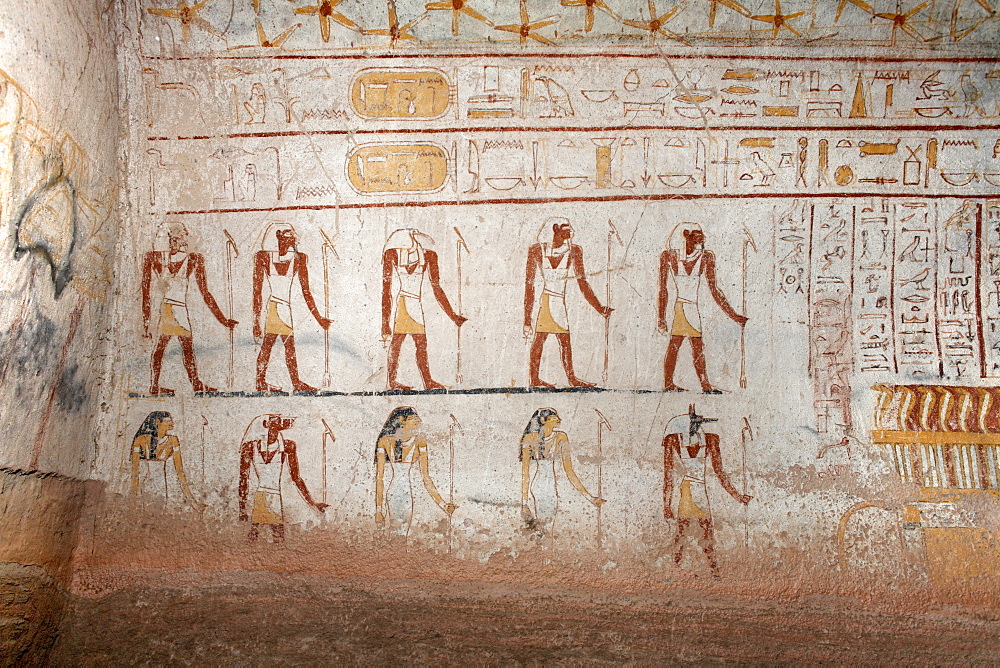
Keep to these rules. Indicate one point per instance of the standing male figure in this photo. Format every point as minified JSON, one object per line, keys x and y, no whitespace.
{"x":280,"y":264}
{"x":173,"y":268}
{"x":265,"y":450}
{"x":558,"y":263}
{"x":685,"y":266}
{"x":405,"y":262}
{"x":686,"y":451}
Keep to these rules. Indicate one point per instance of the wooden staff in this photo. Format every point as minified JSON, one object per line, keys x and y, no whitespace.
{"x":455,"y":424}
{"x":602,"y":422}
{"x":612,"y":235}
{"x":327,"y":432}
{"x":204,"y":425}
{"x":748,"y":241}
{"x":459,"y":245}
{"x":327,"y":245}
{"x":231,"y":251}
{"x":747,"y":429}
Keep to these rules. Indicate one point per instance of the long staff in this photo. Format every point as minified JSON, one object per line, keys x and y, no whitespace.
{"x":459,"y":245}
{"x":747,"y":430}
{"x":327,"y":433}
{"x":327,"y":245}
{"x":612,"y":235}
{"x":455,"y":424}
{"x":231,"y":250}
{"x":602,"y":422}
{"x":748,"y":242}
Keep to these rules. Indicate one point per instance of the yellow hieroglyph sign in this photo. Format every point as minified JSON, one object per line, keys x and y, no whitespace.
{"x":397,"y":168}
{"x":400,"y":93}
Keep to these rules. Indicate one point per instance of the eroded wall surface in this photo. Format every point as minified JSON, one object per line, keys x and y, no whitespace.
{"x":347,"y":280}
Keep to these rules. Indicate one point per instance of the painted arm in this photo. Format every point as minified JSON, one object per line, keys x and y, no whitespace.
{"x":425,"y":473}
{"x":663,"y":291}
{"x":720,"y":298}
{"x":380,"y":459}
{"x":435,"y":272}
{"x":534,"y":260}
{"x":576,"y":257}
{"x":139,"y":447}
{"x":671,"y":447}
{"x":246,"y":456}
{"x":712,"y":444}
{"x":198,"y":267}
{"x":292,"y":457}
{"x":260,"y":267}
{"x":150,"y":264}
{"x":525,"y":472}
{"x":388,"y":264}
{"x":303,"y":271}
{"x":567,"y":462}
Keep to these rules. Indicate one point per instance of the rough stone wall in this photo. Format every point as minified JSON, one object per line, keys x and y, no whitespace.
{"x":59,"y":141}
{"x":839,"y":160}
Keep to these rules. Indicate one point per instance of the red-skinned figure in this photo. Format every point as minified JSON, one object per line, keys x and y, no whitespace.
{"x":265,"y":451}
{"x":405,"y":262}
{"x":280,"y":265}
{"x":172,"y":269}
{"x":685,"y":267}
{"x":686,"y":453}
{"x":558,"y":263}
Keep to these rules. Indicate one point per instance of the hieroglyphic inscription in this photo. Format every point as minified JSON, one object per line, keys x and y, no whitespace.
{"x":958,"y":320}
{"x":989,"y":286}
{"x":873,"y":271}
{"x":915,"y":279}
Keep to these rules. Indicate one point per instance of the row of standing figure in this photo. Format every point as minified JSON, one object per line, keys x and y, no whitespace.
{"x":401,"y":454}
{"x":406,"y":262}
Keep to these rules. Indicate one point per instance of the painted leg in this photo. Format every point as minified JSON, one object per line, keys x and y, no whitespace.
{"x":420,"y":341}
{"x":191,"y":365}
{"x":293,"y":366}
{"x":278,"y":533}
{"x":670,"y":363}
{"x":394,"y":347}
{"x":566,"y":353}
{"x":263,"y":357}
{"x":535,"y":361}
{"x":254,"y":533}
{"x":678,"y":546}
{"x":156,"y":364}
{"x":698,"y":356}
{"x":708,"y":545}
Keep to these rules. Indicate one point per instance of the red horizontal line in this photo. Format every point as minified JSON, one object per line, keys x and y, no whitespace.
{"x":644,"y":56}
{"x":608,"y":198}
{"x":929,"y":128}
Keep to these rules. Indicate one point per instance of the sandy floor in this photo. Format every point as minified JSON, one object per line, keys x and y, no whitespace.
{"x":266,"y":618}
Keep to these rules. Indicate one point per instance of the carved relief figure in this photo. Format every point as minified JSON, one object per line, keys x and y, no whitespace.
{"x":172,"y":269}
{"x":400,"y":455}
{"x":543,"y":450}
{"x":558,"y":262}
{"x":684,"y":265}
{"x":280,"y":265}
{"x":686,"y":453}
{"x":265,"y":451}
{"x":154,"y":442}
{"x":405,"y":262}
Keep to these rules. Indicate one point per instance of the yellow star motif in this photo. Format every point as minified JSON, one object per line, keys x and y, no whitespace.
{"x":188,"y":15}
{"x":731,"y":4}
{"x":655,"y":23}
{"x":394,"y":32}
{"x":778,"y":20}
{"x":326,"y":11}
{"x":899,"y":23}
{"x":590,"y":5}
{"x":857,"y":3}
{"x":457,"y":7}
{"x":526,"y":29}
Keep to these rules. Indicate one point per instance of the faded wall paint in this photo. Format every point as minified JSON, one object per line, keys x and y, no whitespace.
{"x":843,"y":206}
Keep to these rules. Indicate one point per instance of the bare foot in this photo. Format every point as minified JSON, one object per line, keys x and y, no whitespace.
{"x":434,"y":385}
{"x":302,"y":387}
{"x":537,"y":382}
{"x":398,"y":386}
{"x":161,"y":391}
{"x":576,"y":382}
{"x":711,"y":390}
{"x":673,"y":387}
{"x":202,"y":387}
{"x":267,"y":387}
